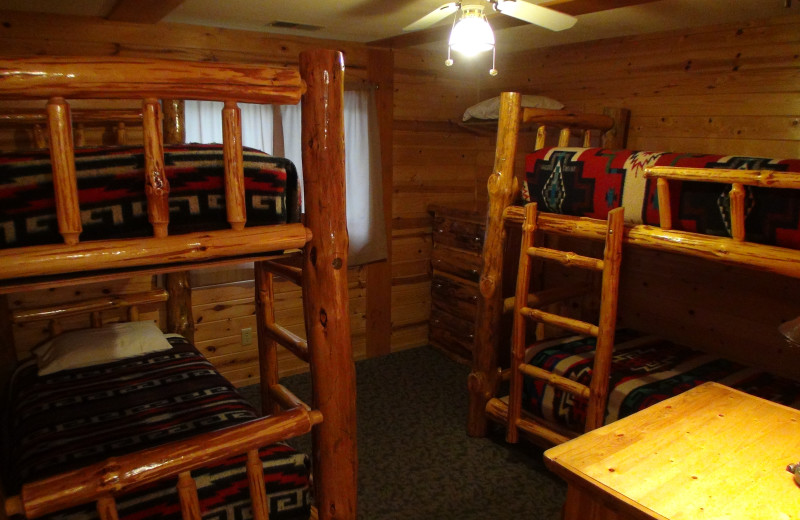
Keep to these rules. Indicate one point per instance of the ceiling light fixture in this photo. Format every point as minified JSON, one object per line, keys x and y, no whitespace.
{"x":471,"y":35}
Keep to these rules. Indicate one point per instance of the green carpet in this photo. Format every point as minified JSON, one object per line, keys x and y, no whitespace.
{"x":415,"y":459}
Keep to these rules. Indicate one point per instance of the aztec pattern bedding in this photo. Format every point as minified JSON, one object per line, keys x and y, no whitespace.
{"x":644,"y":371}
{"x":591,"y":181}
{"x":112,"y":197}
{"x":77,"y":417}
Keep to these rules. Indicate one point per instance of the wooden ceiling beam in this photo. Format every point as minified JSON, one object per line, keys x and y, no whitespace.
{"x":499,"y":22}
{"x":142,"y":11}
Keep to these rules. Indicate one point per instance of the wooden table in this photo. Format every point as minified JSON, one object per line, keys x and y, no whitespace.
{"x":710,"y":453}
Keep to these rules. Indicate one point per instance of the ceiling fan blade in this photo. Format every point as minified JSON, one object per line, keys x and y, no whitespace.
{"x":536,"y":14}
{"x":440,"y":13}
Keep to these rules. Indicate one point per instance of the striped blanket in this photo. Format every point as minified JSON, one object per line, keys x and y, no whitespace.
{"x":112,"y":197}
{"x":74,"y":418}
{"x":589,"y":182}
{"x":644,"y":371}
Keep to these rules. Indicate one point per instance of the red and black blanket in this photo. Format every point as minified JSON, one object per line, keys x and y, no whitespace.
{"x":644,"y":371}
{"x":78,"y":417}
{"x":589,"y":182}
{"x":111,"y":192}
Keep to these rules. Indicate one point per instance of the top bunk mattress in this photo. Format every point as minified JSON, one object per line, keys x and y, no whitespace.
{"x":111,"y":191}
{"x":589,"y":182}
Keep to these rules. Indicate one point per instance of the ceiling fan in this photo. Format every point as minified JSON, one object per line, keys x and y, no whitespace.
{"x":471,"y":31}
{"x":520,"y":9}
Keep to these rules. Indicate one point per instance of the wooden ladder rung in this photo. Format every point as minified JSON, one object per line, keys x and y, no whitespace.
{"x":536,"y":429}
{"x":286,"y":398}
{"x":578,"y":326}
{"x":549,"y":296}
{"x":565,"y":384}
{"x":292,"y":342}
{"x":566,"y":258}
{"x":291,"y":273}
{"x":497,"y":410}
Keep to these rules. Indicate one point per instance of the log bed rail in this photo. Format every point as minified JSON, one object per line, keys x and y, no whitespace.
{"x":323,"y":277}
{"x":289,"y":417}
{"x":35,"y":121}
{"x":503,"y":186}
{"x":148,"y":80}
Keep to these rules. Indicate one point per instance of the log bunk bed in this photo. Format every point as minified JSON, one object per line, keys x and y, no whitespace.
{"x":193,"y":428}
{"x":559,"y":388}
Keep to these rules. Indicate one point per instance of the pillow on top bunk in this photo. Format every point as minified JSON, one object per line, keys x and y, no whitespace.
{"x":490,"y":108}
{"x":88,"y":347}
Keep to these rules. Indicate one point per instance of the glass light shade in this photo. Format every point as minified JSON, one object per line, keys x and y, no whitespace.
{"x":472,"y":34}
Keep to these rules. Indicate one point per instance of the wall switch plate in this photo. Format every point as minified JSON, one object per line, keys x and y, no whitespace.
{"x":247,"y":336}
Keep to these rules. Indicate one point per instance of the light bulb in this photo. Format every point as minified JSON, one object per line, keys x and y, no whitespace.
{"x":472,"y":34}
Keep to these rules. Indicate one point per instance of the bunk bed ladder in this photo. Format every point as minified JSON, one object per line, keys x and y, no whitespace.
{"x":596,"y":392}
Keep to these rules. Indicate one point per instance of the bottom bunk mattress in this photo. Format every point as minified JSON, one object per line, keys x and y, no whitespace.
{"x":73,"y":418}
{"x":644,"y":371}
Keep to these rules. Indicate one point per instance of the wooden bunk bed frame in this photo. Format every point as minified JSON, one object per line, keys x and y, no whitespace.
{"x":486,"y":375}
{"x":323,"y":277}
{"x":34,"y":122}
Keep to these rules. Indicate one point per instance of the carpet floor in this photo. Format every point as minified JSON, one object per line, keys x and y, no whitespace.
{"x":415,"y":459}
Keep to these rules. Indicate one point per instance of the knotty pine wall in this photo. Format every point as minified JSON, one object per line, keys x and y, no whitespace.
{"x":728,"y":89}
{"x":424,"y":165}
{"x":720,"y":88}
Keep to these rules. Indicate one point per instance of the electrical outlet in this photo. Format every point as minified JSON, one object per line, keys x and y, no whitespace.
{"x":247,"y":336}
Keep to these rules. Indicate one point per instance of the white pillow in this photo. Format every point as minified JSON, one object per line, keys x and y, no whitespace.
{"x":490,"y":108}
{"x":87,"y":347}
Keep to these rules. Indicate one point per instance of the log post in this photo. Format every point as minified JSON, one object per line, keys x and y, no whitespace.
{"x":255,"y":479}
{"x":187,"y":493}
{"x":325,"y":293}
{"x":121,"y":134}
{"x":737,"y":201}
{"x":617,"y":136}
{"x":156,"y":185}
{"x":502,"y":187}
{"x":107,"y":508}
{"x":174,"y":121}
{"x":65,"y":183}
{"x":267,"y":346}
{"x":234,"y":164}
{"x":179,"y":305}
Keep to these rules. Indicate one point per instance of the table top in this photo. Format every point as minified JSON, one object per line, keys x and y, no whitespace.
{"x":709,"y":453}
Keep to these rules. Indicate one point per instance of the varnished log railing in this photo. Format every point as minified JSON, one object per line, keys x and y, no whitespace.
{"x":118,"y":475}
{"x":36,"y":120}
{"x":736,"y":178}
{"x":94,"y":305}
{"x":130,"y":253}
{"x":773,"y":259}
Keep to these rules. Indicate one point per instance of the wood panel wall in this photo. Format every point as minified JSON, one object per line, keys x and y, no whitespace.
{"x":729,"y":89}
{"x":724,"y":89}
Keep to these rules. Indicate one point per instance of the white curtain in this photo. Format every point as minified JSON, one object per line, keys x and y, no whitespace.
{"x":365,"y":222}
{"x":204,"y":124}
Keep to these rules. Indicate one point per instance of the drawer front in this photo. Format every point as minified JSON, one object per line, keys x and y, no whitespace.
{"x":464,"y":264}
{"x":458,"y":233}
{"x":455,"y":296}
{"x":454,"y":345}
{"x":455,"y":326}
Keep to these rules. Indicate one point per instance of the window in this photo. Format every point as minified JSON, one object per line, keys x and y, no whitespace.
{"x":365,"y":221}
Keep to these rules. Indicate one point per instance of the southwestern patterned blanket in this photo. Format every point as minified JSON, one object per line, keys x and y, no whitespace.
{"x":644,"y":371}
{"x":589,"y":182}
{"x":77,"y":417}
{"x":112,"y":196}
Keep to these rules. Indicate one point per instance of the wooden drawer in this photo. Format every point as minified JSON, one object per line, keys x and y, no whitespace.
{"x":457,"y":327}
{"x":454,"y":345}
{"x":458,"y":233}
{"x":464,"y":264}
{"x":455,"y":296}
